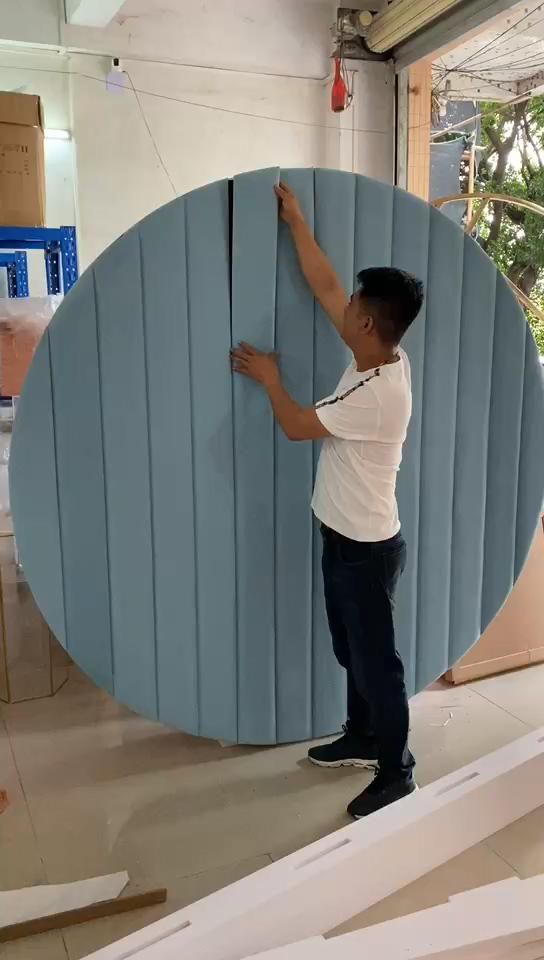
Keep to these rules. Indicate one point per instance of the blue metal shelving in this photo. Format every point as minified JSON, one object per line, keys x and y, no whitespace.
{"x":60,"y":253}
{"x":17,"y":272}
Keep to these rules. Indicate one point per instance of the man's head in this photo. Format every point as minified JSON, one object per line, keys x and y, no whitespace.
{"x":382,"y":308}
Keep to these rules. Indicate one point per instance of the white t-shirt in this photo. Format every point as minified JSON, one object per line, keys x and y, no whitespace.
{"x":367,"y":417}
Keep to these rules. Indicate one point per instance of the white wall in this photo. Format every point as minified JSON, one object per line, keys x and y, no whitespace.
{"x":243,"y":122}
{"x":205,"y":122}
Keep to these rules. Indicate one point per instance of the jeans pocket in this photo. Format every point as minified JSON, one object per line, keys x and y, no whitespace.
{"x":352,"y":553}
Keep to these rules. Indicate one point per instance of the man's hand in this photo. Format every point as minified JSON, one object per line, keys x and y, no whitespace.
{"x":258,"y":366}
{"x":317,"y":269}
{"x":289,"y":206}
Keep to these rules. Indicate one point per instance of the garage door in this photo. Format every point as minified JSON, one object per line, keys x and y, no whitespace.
{"x":414,"y":29}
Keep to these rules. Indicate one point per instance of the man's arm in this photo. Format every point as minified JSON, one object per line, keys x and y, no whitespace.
{"x":296,"y":421}
{"x":316,"y":267}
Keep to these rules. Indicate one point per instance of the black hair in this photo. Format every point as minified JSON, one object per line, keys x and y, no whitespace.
{"x":395,"y":297}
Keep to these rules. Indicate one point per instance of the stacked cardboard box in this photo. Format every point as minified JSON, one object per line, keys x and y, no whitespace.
{"x":22,"y":168}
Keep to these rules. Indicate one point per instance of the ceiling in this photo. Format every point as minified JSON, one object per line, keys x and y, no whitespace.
{"x":498,"y":63}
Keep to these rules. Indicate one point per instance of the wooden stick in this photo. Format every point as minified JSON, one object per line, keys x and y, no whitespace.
{"x":476,"y":217}
{"x":525,"y":302}
{"x":471,"y":177}
{"x":93,"y":911}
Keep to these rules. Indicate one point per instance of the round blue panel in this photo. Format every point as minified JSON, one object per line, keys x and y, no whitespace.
{"x":164,"y":522}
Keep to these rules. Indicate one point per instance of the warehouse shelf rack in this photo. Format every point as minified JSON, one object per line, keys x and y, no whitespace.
{"x":17,"y":272}
{"x":60,"y":253}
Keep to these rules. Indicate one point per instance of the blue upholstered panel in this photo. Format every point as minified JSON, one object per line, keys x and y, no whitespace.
{"x":293,"y":480}
{"x":34,"y":496}
{"x":171,"y":457}
{"x":124,"y":382}
{"x":213,"y":478}
{"x":411,"y":218}
{"x":76,"y":401}
{"x":164,"y":521}
{"x":254,"y":244}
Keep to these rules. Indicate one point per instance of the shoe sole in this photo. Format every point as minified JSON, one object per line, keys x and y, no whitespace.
{"x":366,"y":815}
{"x":336,"y":764}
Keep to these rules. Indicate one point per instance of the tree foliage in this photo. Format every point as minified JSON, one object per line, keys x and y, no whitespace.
{"x":512,"y":163}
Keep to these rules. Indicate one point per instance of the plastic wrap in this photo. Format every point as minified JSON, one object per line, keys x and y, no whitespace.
{"x":22,"y":323}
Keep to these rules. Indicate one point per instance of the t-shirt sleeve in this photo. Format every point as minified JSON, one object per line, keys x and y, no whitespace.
{"x":351,"y":416}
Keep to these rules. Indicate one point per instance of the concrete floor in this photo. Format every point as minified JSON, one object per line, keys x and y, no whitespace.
{"x":95,"y":789}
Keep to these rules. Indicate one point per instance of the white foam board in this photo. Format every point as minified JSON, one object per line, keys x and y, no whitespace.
{"x":330,"y":881}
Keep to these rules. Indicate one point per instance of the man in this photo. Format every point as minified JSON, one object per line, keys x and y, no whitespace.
{"x":363,"y":426}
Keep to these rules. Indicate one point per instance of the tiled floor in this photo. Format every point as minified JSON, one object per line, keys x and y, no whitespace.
{"x":95,"y":789}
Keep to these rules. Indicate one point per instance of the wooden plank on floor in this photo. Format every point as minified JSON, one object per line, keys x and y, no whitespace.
{"x":69,"y":918}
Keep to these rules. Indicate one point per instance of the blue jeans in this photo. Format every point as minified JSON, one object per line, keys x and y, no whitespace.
{"x":360,"y":581}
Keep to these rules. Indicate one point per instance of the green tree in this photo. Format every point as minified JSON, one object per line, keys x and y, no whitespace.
{"x":512,"y":163}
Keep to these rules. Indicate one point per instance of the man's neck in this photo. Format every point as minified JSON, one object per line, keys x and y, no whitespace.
{"x":368,"y":359}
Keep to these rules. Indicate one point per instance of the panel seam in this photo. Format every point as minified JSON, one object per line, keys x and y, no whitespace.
{"x":455,"y":434}
{"x":418,"y":457}
{"x":230,"y":215}
{"x":313,"y":541}
{"x":150,"y":473}
{"x":103,"y":452}
{"x":61,"y":545}
{"x":193,"y":482}
{"x":486,"y":454}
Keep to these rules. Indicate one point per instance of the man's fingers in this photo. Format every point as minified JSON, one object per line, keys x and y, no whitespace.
{"x":247,"y":348}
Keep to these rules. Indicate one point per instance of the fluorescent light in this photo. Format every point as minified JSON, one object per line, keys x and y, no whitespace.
{"x":57,"y":134}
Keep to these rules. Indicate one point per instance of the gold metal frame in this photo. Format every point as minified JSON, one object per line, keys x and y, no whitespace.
{"x":486,"y":199}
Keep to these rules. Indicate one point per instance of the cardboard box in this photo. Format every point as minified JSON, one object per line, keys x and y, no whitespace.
{"x":22,"y":166}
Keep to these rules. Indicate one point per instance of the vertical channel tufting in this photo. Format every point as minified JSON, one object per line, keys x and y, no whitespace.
{"x":34,"y":494}
{"x":503,"y":452}
{"x":113,"y":486}
{"x":254,"y":247}
{"x":411,"y":220}
{"x":76,"y":403}
{"x":171,"y":453}
{"x":373,"y":225}
{"x":211,"y":389}
{"x":122,"y":360}
{"x":531,"y":463}
{"x":470,"y":455}
{"x":294,"y":476}
{"x":437,"y":446}
{"x":334,"y":229}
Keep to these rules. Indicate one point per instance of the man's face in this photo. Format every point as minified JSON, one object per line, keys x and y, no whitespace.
{"x":356,"y":323}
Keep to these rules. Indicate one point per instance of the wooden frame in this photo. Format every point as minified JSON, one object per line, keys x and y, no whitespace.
{"x":298,"y":897}
{"x":418,"y":179}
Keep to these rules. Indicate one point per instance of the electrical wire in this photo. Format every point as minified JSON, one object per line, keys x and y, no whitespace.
{"x":257,"y":116}
{"x":507,"y":53}
{"x":478,"y":116}
{"x":491,"y":43}
{"x":515,"y":65}
{"x":496,"y":40}
{"x":150,"y":132}
{"x":489,"y":81}
{"x":203,"y":106}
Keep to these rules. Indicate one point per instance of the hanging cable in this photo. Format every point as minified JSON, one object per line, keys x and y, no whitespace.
{"x":150,"y":132}
{"x":491,"y":43}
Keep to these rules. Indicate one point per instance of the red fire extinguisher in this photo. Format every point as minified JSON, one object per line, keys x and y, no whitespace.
{"x":340,"y":96}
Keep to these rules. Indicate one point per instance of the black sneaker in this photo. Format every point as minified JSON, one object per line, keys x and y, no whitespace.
{"x":348,"y":751}
{"x":381,"y":792}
